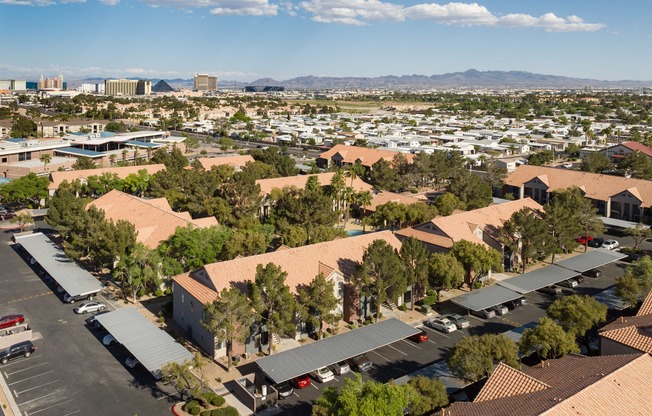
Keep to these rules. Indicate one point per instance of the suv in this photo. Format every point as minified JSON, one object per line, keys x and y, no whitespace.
{"x":484,"y":313}
{"x":360,"y":363}
{"x":72,"y":299}
{"x":25,"y":348}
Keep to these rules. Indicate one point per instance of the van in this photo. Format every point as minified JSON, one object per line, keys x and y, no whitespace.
{"x":25,"y":349}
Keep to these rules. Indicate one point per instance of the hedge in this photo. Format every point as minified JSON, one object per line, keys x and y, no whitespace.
{"x":225,"y":411}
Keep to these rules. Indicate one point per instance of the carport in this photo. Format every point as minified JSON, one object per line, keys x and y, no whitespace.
{"x":152,"y":346}
{"x":72,"y":278}
{"x":529,"y":282}
{"x":302,"y":360}
{"x":591,"y":260}
{"x":486,"y":297}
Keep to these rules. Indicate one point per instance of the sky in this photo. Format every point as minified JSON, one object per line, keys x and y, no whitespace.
{"x":244,"y":40}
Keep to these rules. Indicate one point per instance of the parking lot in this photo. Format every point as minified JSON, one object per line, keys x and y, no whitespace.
{"x":405,"y":357}
{"x":70,"y":372}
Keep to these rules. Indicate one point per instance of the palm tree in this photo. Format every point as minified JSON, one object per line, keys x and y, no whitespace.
{"x":125,"y":152}
{"x":149,"y":154}
{"x":45,"y":158}
{"x":112,"y":159}
{"x":364,"y":200}
{"x":354,"y":171}
{"x":135,"y":156}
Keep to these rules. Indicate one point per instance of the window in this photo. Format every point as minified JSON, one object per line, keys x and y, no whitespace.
{"x":182,"y":298}
{"x":340,"y":289}
{"x":192,"y":307}
{"x":4,"y":160}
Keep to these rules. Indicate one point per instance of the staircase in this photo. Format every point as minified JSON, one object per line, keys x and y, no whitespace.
{"x":276,"y":340}
{"x":390,"y":305}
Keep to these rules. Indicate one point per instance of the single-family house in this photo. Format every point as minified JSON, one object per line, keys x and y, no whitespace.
{"x":618,"y":152}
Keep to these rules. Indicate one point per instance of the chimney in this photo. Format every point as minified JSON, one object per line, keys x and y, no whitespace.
{"x":543,"y":364}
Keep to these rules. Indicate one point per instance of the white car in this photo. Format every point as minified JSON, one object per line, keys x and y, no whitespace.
{"x":323,"y":374}
{"x":500,"y":309}
{"x":109,"y":340}
{"x":568,"y":283}
{"x":90,"y":307}
{"x":610,"y":244}
{"x":441,"y":324}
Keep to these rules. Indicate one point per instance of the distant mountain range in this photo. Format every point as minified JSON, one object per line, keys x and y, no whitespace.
{"x":468,"y":79}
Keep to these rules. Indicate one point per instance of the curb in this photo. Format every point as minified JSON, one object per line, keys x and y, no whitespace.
{"x":13,"y":407}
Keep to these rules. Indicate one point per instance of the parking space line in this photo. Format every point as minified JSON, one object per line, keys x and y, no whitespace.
{"x":295,"y":394}
{"x":49,"y":407}
{"x":336,"y":380}
{"x":72,"y":413}
{"x":24,"y":369}
{"x":432,"y":341}
{"x":397,"y":350}
{"x":412,"y":344}
{"x":312,"y":384}
{"x":32,"y":388}
{"x":39,"y":398}
{"x":163,"y":397}
{"x":29,"y":378}
{"x":20,"y":361}
{"x":384,"y":358}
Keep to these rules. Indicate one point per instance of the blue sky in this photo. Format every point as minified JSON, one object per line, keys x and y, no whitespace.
{"x":248,"y":39}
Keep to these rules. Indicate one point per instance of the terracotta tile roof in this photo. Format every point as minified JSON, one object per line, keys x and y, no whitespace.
{"x":638,"y":147}
{"x":301,"y":264}
{"x":578,"y":385}
{"x":444,"y":231}
{"x":197,"y":289}
{"x":384,"y":197}
{"x":366,"y":155}
{"x":154,"y":222}
{"x":646,"y":307}
{"x":56,"y":178}
{"x":507,"y":381}
{"x":595,"y":186}
{"x":237,"y":161}
{"x":299,"y":181}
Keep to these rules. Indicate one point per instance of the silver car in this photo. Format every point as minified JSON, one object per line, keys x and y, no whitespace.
{"x":500,"y":309}
{"x":90,"y":307}
{"x":341,"y":368}
{"x":441,"y":324}
{"x":568,"y":283}
{"x":459,"y":321}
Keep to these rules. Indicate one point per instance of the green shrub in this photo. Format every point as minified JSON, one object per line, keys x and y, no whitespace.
{"x":431,"y":292}
{"x":206,"y":413}
{"x":225,"y":411}
{"x":168,"y":291}
{"x":477,"y":284}
{"x":217,"y":400}
{"x":194,"y":411}
{"x":429,"y":300}
{"x":189,"y":405}
{"x":158,"y":292}
{"x":208,"y":396}
{"x":403,"y":307}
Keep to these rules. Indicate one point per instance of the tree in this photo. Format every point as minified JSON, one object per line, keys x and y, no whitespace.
{"x":383,"y":177}
{"x":84,"y":163}
{"x":23,"y":128}
{"x":137,"y":183}
{"x":363,"y":199}
{"x":548,"y":339}
{"x":595,"y":162}
{"x":317,"y":302}
{"x":541,"y":158}
{"x":29,"y":189}
{"x":247,"y":242}
{"x":637,"y":164}
{"x":473,"y":358}
{"x":115,"y":127}
{"x":23,"y":219}
{"x":182,"y":379}
{"x":195,"y":247}
{"x":565,"y":219}
{"x":137,"y":271}
{"x":447,"y":203}
{"x":415,"y":263}
{"x":65,"y":210}
{"x":637,"y":281}
{"x":272,"y":301}
{"x":476,"y":259}
{"x":382,"y":272}
{"x":432,"y":394}
{"x":639,"y":233}
{"x":445,"y":271}
{"x":45,"y":158}
{"x":228,"y":318}
{"x":526,"y":233}
{"x":365,"y":398}
{"x":471,"y":189}
{"x":577,"y":315}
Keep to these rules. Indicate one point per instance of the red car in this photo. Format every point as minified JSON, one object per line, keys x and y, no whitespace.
{"x":11,"y":320}
{"x":584,"y":240}
{"x":301,"y":381}
{"x":420,"y":337}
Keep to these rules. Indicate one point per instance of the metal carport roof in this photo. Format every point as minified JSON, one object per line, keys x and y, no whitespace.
{"x":72,"y":278}
{"x":302,"y":360}
{"x":591,"y":260}
{"x":486,"y":297}
{"x":152,"y":346}
{"x":537,"y":279}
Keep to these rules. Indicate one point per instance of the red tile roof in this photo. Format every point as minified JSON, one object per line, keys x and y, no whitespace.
{"x":299,"y":181}
{"x":366,"y":155}
{"x":633,"y":331}
{"x":237,"y":161}
{"x":638,"y":147}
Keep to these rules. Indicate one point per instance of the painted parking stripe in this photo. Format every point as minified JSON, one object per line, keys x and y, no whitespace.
{"x":412,"y":344}
{"x":46,"y":408}
{"x":72,"y":413}
{"x":436,"y":332}
{"x":384,"y":358}
{"x":32,"y":357}
{"x":32,"y":388}
{"x":29,"y":378}
{"x":39,"y":398}
{"x":295,"y":394}
{"x":24,"y":369}
{"x":312,"y":384}
{"x":397,"y":349}
{"x":432,"y":341}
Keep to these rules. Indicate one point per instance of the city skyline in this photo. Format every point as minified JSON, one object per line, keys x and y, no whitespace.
{"x":250,"y":39}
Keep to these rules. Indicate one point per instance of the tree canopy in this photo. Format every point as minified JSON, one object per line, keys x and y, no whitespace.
{"x":637,"y":281}
{"x":548,"y":339}
{"x":476,"y":259}
{"x":473,"y":358}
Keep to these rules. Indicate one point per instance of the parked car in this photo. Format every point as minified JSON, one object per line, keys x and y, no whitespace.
{"x":360,"y":363}
{"x":550,"y":290}
{"x":592,"y":273}
{"x":11,"y":320}
{"x":323,"y":374}
{"x":610,"y":244}
{"x":517,"y":303}
{"x":131,"y":361}
{"x":109,"y":340}
{"x":568,"y":283}
{"x":596,"y":242}
{"x":301,"y":381}
{"x":72,"y":299}
{"x":90,"y":307}
{"x":420,"y":337}
{"x":484,"y":313}
{"x":584,"y":240}
{"x":579,"y":279}
{"x":7,"y":216}
{"x":500,"y":309}
{"x":441,"y":324}
{"x":341,"y":368}
{"x":284,"y":389}
{"x":25,"y":349}
{"x":459,"y":321}
{"x":568,"y":165}
{"x":92,"y":320}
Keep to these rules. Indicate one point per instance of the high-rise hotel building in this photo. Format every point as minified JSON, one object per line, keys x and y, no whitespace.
{"x":204,"y":82}
{"x":127,"y":87}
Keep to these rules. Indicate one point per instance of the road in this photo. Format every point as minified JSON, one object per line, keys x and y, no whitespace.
{"x":71,"y":372}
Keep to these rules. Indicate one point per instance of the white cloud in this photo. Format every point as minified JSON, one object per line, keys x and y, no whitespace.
{"x":110,"y":2}
{"x":222,"y":7}
{"x":362,"y":12}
